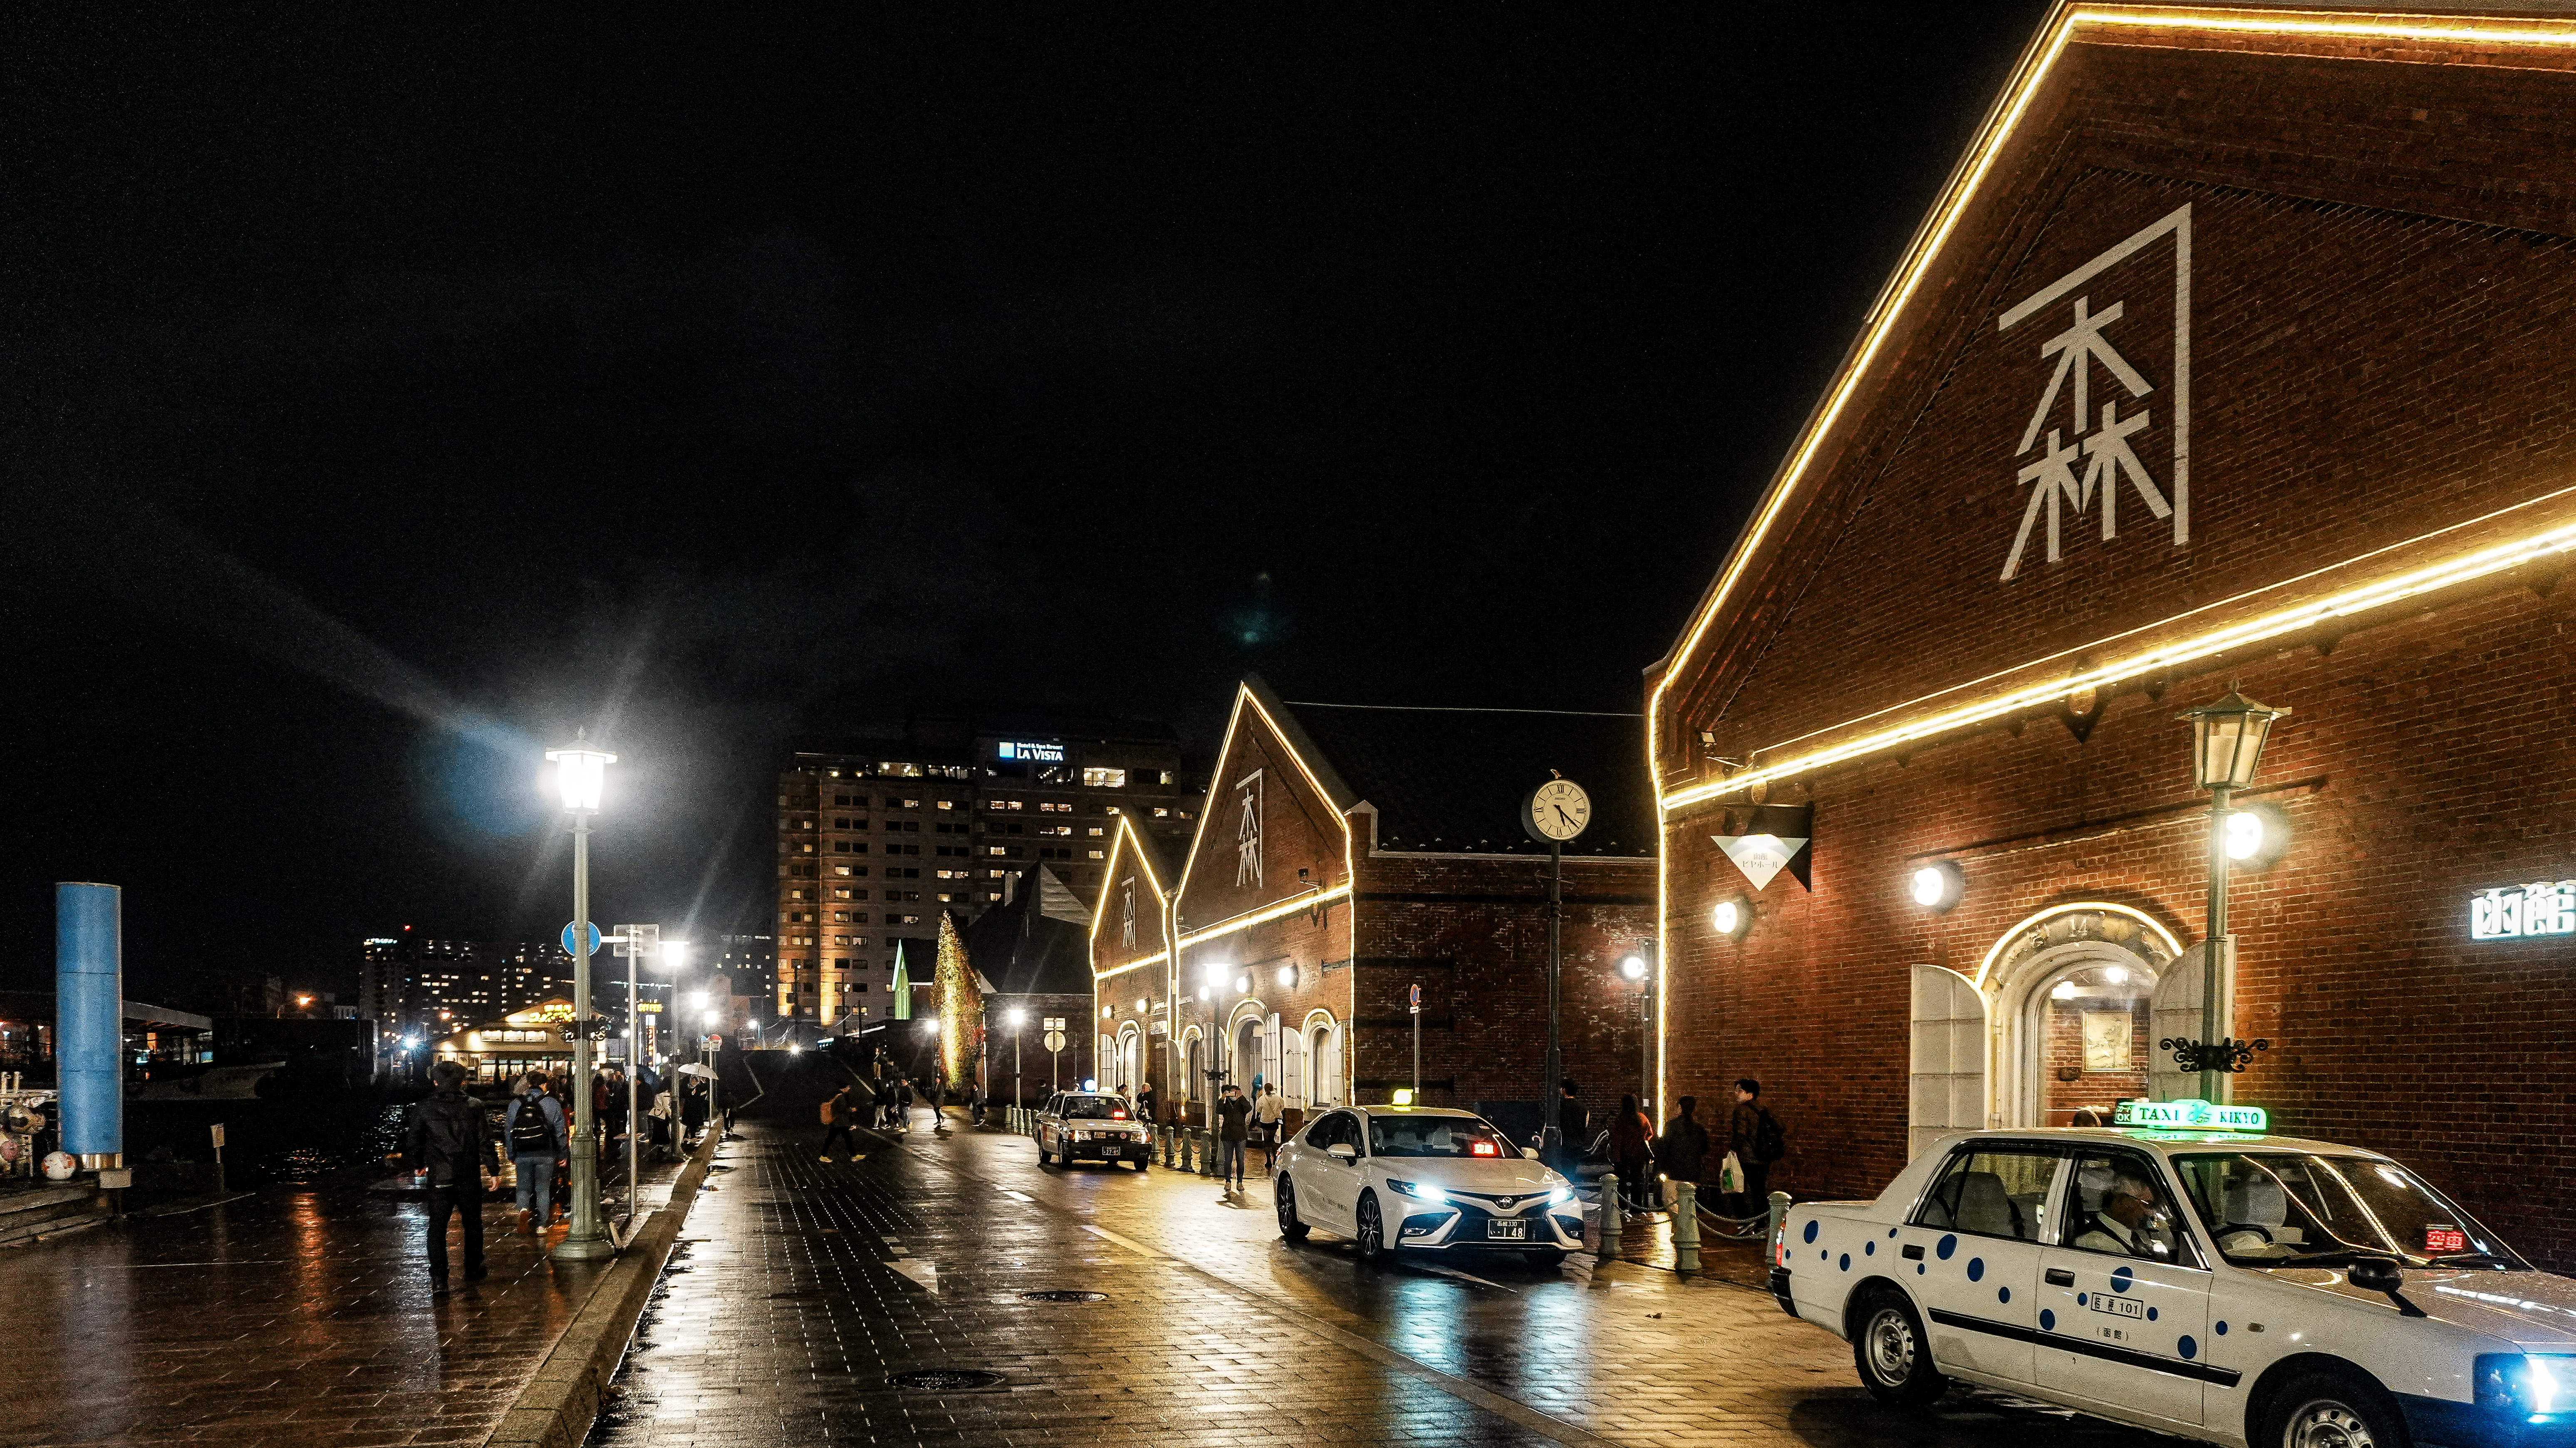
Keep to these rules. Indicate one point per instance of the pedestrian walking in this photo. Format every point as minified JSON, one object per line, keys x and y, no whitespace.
{"x":693,"y":1109}
{"x":660,"y":1114}
{"x":1145,"y":1103}
{"x":448,"y":1142}
{"x":1681,"y":1153}
{"x":612,"y":1110}
{"x":1574,"y":1129}
{"x":937,"y":1090}
{"x":1756,"y":1139}
{"x":840,"y":1114}
{"x":974,"y":1103}
{"x":1631,"y":1154}
{"x":903,"y":1099}
{"x":534,"y":1129}
{"x":1267,"y":1115}
{"x":1233,"y":1113}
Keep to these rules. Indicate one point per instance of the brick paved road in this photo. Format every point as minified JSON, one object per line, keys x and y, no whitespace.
{"x":298,"y":1317}
{"x":806,"y":1285}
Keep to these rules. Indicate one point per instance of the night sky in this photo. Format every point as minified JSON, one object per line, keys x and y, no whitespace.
{"x":390,"y":393}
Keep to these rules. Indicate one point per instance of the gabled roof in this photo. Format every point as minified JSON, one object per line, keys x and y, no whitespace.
{"x":2526,"y":38}
{"x":1452,"y":780}
{"x":1030,"y":946}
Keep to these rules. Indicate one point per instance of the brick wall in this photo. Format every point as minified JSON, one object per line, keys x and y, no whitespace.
{"x":2382,"y":279}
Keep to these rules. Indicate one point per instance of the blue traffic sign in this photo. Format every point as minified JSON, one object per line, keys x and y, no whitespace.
{"x":567,"y":938}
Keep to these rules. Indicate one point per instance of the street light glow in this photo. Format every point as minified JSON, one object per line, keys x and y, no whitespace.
{"x":579,"y":770}
{"x":1016,"y":1017}
{"x":697,"y":997}
{"x":1634,"y":967}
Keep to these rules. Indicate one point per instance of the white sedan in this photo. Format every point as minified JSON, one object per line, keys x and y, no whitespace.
{"x":1077,"y":1124}
{"x":1422,"y":1178}
{"x":2193,"y":1274}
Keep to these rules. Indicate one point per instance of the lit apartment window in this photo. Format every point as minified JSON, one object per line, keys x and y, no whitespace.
{"x":840,"y":894}
{"x":844,"y":870}
{"x":1167,"y":776}
{"x":1095,"y":832}
{"x":947,"y":804}
{"x":1100,"y":854}
{"x":795,"y":894}
{"x":1161,"y":813}
{"x":1099,"y":778}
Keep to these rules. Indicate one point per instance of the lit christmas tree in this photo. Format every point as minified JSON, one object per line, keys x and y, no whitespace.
{"x":961,"y":1008}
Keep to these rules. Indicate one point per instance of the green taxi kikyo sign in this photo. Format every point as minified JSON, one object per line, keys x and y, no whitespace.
{"x":2192,"y":1115}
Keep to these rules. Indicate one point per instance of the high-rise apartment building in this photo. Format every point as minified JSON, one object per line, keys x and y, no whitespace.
{"x":410,"y":983}
{"x":877,"y":837}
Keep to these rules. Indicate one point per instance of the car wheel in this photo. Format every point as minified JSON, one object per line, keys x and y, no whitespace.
{"x":1143,"y":1166}
{"x":2330,"y":1409}
{"x":1372,"y":1228}
{"x":1289,"y":1226}
{"x":1893,"y":1355}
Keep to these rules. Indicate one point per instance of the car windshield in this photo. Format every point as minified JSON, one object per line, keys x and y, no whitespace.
{"x":1095,"y":1108}
{"x":1435,"y":1136}
{"x":2282,"y":1209}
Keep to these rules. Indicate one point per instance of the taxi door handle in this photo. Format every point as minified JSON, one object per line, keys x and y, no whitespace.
{"x":1914,"y":1254}
{"x":2061,"y":1277}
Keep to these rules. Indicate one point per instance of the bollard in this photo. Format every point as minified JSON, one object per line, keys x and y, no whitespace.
{"x":1779,"y":1214}
{"x":1609,"y":1216}
{"x":1167,"y":1144}
{"x":1207,"y":1152}
{"x":1686,"y":1226}
{"x":1189,"y":1153}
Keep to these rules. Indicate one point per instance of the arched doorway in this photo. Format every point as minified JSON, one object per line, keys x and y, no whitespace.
{"x":1193,"y":1073}
{"x":1130,"y":1061}
{"x":1245,"y":1061}
{"x":2060,"y":1015}
{"x":1323,"y":1041}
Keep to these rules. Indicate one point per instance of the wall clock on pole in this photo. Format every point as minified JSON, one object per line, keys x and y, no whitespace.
{"x":1556,"y":811}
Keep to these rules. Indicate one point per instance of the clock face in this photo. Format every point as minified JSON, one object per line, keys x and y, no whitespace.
{"x":1559,"y":809}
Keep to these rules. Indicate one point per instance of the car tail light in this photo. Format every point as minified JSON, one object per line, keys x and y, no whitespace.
{"x":1484,"y":1148}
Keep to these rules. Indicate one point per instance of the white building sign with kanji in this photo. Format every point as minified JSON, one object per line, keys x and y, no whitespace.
{"x":2098,"y":405}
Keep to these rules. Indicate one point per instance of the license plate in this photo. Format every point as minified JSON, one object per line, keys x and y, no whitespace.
{"x":2117,"y":1306}
{"x":1109,"y":1148}
{"x":1507,"y":1231}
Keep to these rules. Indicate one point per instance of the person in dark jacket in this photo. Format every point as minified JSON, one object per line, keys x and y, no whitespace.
{"x":1754,"y":1149}
{"x":1682,"y":1153}
{"x":540,"y":1143}
{"x":449,"y":1144}
{"x":1631,"y":1141}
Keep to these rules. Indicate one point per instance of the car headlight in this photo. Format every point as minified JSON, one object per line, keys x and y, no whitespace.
{"x":1419,"y":1191}
{"x":1560,"y":1196}
{"x":2535,"y":1389}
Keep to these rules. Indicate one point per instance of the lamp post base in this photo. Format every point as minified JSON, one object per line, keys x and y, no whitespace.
{"x":583,"y":1249}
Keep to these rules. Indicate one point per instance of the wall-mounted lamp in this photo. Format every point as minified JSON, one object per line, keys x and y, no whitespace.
{"x":1936,"y":886}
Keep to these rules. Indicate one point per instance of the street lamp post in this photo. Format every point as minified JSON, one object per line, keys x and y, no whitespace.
{"x":1634,"y":968}
{"x":2227,"y":745}
{"x":579,"y":769}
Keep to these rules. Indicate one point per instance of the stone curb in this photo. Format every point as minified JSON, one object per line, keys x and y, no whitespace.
{"x":558,"y":1406}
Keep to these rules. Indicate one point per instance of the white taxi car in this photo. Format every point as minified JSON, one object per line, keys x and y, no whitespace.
{"x":1422,"y":1178}
{"x":1095,"y":1124}
{"x":2186,"y":1271}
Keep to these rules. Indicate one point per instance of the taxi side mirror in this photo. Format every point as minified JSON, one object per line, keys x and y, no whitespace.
{"x":1342,"y":1151}
{"x":2376,"y":1274}
{"x":1529,"y":1153}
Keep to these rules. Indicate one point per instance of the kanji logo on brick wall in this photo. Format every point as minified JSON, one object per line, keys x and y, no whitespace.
{"x":1247,"y":830}
{"x":2082,"y":445}
{"x":1127,"y":913}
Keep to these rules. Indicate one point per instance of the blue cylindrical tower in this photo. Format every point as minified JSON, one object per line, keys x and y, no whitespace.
{"x":89,"y":1020}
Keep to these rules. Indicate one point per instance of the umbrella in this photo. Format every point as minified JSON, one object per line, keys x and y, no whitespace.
{"x":694,"y":1069}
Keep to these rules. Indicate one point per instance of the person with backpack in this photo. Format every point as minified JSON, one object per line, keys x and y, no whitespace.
{"x":1757,"y":1139}
{"x":537,"y":1141}
{"x":885,"y":1100}
{"x":840,"y":1115}
{"x":449,"y":1143}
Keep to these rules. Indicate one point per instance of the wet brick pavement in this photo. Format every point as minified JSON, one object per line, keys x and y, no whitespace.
{"x":804,"y":1287}
{"x":297,"y":1316}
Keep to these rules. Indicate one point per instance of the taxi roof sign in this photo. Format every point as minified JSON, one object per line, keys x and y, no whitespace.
{"x":2192,"y":1115}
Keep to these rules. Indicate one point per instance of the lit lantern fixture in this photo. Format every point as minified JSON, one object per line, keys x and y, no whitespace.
{"x":1107,"y":1011}
{"x":1140,"y":1007}
{"x":1203,"y":995}
{"x":2227,"y":740}
{"x":1287,"y":976}
{"x":2226,"y":747}
{"x":1243,"y":985}
{"x":1732,"y":917}
{"x":929,"y":1024}
{"x":1016,"y":1017}
{"x":2116,"y":975}
{"x":1634,"y":967}
{"x":579,"y":770}
{"x":1937,"y":886}
{"x":1217,"y":971}
{"x":2257,"y":834}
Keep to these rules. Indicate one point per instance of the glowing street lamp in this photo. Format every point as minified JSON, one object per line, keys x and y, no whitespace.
{"x":580,"y":767}
{"x":1636,"y":968}
{"x":2226,"y":746}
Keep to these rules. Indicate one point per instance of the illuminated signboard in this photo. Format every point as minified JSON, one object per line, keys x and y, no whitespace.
{"x":555,"y":1011}
{"x":2193,"y":1115}
{"x":1042,"y":753}
{"x":2518,"y":912}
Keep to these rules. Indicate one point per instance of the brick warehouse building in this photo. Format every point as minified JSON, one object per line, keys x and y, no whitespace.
{"x":1350,"y":853}
{"x":2286,"y":298}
